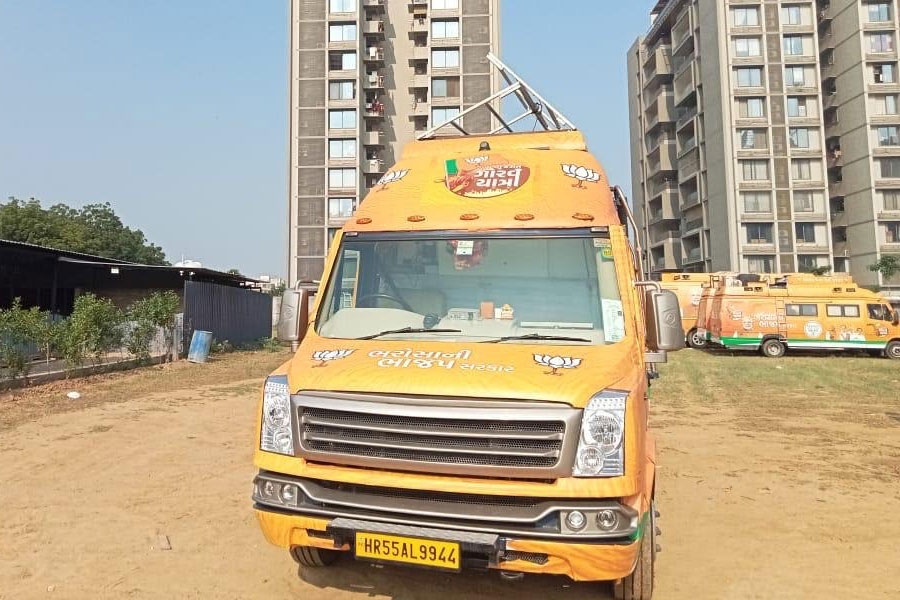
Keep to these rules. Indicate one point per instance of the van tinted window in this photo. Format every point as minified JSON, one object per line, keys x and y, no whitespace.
{"x":801,"y":310}
{"x":843,"y":310}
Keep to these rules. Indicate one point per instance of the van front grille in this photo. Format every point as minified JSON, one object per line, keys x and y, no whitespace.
{"x":434,"y":436}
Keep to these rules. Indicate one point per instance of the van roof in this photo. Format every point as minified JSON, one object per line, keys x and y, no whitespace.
{"x":521,"y":181}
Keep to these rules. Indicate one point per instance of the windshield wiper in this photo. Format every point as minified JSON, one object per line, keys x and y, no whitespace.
{"x":408,"y":330}
{"x":536,"y":336}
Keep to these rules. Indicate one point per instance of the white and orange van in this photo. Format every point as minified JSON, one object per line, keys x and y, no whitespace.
{"x":804,"y":312}
{"x":470,"y":388}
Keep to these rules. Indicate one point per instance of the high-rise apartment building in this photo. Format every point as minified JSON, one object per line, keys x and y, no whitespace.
{"x":764,"y":135}
{"x":366,"y":77}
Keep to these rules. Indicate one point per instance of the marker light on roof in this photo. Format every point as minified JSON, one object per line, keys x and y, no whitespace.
{"x":415,"y":218}
{"x":524,"y":217}
{"x":363,"y":221}
{"x":583,"y":217}
{"x":468,"y":217}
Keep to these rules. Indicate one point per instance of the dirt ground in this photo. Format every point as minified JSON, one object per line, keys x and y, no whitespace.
{"x":778,"y":479}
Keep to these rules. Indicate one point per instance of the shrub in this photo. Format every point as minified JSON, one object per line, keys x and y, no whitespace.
{"x":94,"y":329}
{"x":148,"y":314}
{"x":17,"y":329}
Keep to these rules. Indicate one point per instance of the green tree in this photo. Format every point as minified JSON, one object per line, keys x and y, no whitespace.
{"x":92,"y":229}
{"x":820,"y":271}
{"x":888,"y":265}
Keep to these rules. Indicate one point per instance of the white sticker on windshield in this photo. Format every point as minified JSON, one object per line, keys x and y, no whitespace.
{"x":465,"y":247}
{"x":613,"y":320}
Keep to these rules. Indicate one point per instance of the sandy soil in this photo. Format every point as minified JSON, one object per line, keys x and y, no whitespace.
{"x":749,"y":509}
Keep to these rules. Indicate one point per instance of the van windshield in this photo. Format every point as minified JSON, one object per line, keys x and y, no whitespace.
{"x":561,"y":290}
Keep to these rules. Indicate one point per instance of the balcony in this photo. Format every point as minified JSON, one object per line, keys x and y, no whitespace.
{"x":660,"y":66}
{"x":889,"y":215}
{"x":665,"y":255}
{"x":682,"y":32}
{"x":373,"y":81}
{"x":689,"y":164}
{"x":662,"y":159}
{"x":762,"y":247}
{"x":420,"y":80}
{"x":664,"y":208}
{"x":372,"y":138}
{"x":836,"y":189}
{"x":374,"y":27}
{"x":692,"y":225}
{"x":374,"y":109}
{"x":374,"y":54}
{"x":757,"y":217}
{"x":373,"y":3}
{"x":421,"y":53}
{"x":841,"y":248}
{"x":420,"y":108}
{"x":418,"y":25}
{"x":693,"y":255}
{"x":690,"y":200}
{"x":684,"y":85}
{"x":373,"y":166}
{"x":839,"y":219}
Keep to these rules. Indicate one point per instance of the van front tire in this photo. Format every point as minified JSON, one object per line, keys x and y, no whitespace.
{"x":773,"y":348}
{"x":307,"y":556}
{"x":695,"y":340}
{"x":892,"y":350}
{"x":639,"y":585}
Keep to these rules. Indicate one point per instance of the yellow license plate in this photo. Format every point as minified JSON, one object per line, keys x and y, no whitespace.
{"x":414,"y":551}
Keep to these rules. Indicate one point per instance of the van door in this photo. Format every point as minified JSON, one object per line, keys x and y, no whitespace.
{"x":878,"y":321}
{"x":846,"y":324}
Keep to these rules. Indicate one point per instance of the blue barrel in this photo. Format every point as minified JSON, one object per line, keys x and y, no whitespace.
{"x":200,"y":343}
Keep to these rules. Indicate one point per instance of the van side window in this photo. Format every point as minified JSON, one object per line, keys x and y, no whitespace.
{"x":877,"y":312}
{"x":801,"y":310}
{"x":843,"y":310}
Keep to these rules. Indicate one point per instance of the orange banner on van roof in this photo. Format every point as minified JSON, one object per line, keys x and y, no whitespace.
{"x":522,"y":181}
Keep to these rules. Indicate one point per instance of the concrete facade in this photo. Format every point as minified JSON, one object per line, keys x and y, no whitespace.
{"x":366,"y":77}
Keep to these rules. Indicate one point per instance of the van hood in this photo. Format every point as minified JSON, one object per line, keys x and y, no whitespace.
{"x":556,"y":373}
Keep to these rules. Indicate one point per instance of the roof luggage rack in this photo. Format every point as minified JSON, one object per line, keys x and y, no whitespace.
{"x":546,"y":116}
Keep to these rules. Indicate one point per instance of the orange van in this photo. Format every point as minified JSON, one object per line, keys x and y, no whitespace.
{"x":470,"y":387}
{"x":804,"y":313}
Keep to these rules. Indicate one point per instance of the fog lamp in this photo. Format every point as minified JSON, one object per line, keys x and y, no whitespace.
{"x":607,"y":520}
{"x":576,"y":520}
{"x":288,"y":493}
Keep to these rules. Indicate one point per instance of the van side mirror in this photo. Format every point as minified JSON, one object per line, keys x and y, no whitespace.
{"x":664,"y":330}
{"x":293,"y":318}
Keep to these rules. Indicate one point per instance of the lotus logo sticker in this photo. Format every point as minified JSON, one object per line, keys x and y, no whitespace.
{"x":484,"y":176}
{"x":326,"y":356}
{"x":555,"y":363}
{"x":813,"y":329}
{"x":391,"y":177}
{"x":581,"y":174}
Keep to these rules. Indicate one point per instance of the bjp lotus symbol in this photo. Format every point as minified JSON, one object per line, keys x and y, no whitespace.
{"x":555,"y":363}
{"x":581,"y":174}
{"x":326,"y":356}
{"x":391,"y":177}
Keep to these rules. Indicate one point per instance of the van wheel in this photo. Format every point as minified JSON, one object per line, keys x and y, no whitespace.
{"x":892,"y":350}
{"x":773,"y":348}
{"x":307,"y":556}
{"x":695,"y":340}
{"x":639,"y":584}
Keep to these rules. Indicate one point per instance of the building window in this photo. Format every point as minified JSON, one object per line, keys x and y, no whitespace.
{"x":342,"y":119}
{"x":799,"y":137}
{"x":341,"y":61}
{"x":752,"y":108}
{"x":804,"y":202}
{"x":796,"y":107}
{"x":801,"y":310}
{"x":793,"y":45}
{"x":341,"y":90}
{"x":342,"y":148}
{"x":755,"y":170}
{"x":444,"y":4}
{"x":341,"y":208}
{"x":889,"y":136}
{"x":745,"y":17}
{"x":890,"y":168}
{"x":744,"y":47}
{"x":884,"y":73}
{"x":445,"y":87}
{"x":749,"y":77}
{"x":759,"y":233}
{"x":757,"y":202}
{"x":791,"y":15}
{"x":444,"y":59}
{"x":881,"y":42}
{"x":345,"y":32}
{"x":891,"y":199}
{"x":879,"y":12}
{"x":805,"y":232}
{"x":443,"y":114}
{"x":801,"y":169}
{"x":753,"y":139}
{"x":840,"y":310}
{"x":795,"y":76}
{"x":445,"y":28}
{"x":892,"y":232}
{"x":341,"y":178}
{"x":760,"y":264}
{"x":342,"y":6}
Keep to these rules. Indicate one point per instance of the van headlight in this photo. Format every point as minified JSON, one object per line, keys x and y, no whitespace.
{"x":601,"y":447}
{"x":276,"y":433}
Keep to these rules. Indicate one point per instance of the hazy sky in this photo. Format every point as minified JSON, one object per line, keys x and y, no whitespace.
{"x":174,"y":111}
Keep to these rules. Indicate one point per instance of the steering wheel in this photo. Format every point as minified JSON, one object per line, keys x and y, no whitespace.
{"x":400,"y":301}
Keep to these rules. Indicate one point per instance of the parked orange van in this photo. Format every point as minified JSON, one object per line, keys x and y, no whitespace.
{"x":470,"y":388}
{"x":804,"y":313}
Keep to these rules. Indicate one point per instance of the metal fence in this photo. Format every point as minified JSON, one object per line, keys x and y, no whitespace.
{"x":238,"y":315}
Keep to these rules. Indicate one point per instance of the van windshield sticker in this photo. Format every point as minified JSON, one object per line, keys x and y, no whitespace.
{"x":613,"y":320}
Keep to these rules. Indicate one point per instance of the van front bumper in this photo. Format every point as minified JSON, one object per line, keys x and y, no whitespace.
{"x":486,"y":543}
